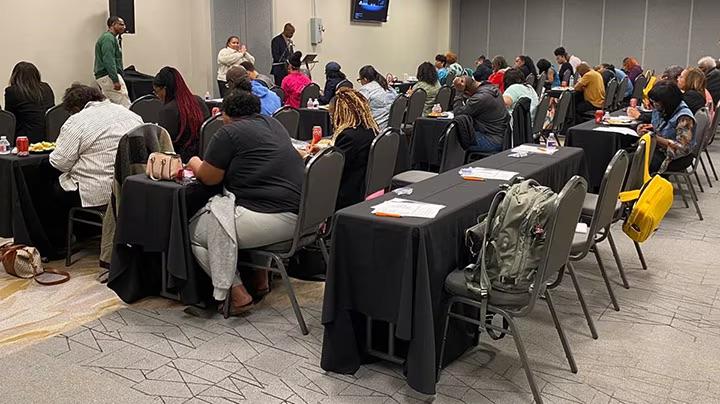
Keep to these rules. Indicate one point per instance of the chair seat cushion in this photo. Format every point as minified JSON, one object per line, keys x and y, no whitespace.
{"x":455,"y":285}
{"x":411,"y":177}
{"x":590,"y":202}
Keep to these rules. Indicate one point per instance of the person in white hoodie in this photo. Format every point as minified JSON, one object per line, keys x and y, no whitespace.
{"x":231,"y":55}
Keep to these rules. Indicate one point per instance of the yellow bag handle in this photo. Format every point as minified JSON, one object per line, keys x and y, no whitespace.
{"x":629,"y":196}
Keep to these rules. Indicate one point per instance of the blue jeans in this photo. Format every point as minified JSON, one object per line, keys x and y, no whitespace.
{"x":484,"y":144}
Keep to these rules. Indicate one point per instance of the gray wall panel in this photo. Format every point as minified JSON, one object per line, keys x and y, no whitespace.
{"x":705,"y":30}
{"x":542,"y":28}
{"x":583,"y":23}
{"x":623,"y":34}
{"x":506,"y":28}
{"x":473,"y":30}
{"x":666,"y":39}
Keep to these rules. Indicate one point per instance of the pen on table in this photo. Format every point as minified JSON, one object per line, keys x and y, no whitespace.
{"x":386,"y":214}
{"x":471,"y":178}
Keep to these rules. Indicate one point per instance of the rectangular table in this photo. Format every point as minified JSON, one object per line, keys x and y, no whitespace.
{"x":152,"y":235}
{"x":394,"y":269}
{"x":310,"y":118}
{"x":425,"y":148}
{"x":599,"y":146}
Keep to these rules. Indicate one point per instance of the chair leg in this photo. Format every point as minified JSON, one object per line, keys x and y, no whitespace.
{"x":581,"y":298}
{"x":69,"y":252}
{"x":681,"y":190}
{"x":605,"y":278}
{"x":444,"y":339}
{"x":293,"y":299}
{"x":561,"y":333}
{"x":712,"y":166}
{"x":697,"y":178}
{"x":640,"y":255}
{"x":693,"y":196}
{"x":523,"y":356}
{"x":702,"y":164}
{"x":618,"y":262}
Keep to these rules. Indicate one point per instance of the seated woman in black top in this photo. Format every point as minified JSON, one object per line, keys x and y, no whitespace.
{"x":182,"y":114}
{"x":28,"y":98}
{"x":254,"y":160}
{"x":333,"y":77}
{"x":692,"y":83}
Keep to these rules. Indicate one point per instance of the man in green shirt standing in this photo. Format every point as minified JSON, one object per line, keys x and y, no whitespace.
{"x":109,"y":64}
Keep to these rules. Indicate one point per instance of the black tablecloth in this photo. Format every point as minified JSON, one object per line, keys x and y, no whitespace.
{"x":310,"y":118}
{"x":599,"y":146}
{"x":22,"y":179}
{"x":425,"y":148}
{"x":153,"y":222}
{"x":403,"y":86}
{"x":393,"y":269}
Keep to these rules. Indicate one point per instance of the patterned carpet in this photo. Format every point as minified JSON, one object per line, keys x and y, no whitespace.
{"x":662,"y":347}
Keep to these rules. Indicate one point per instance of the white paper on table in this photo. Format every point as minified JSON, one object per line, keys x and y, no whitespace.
{"x":581,"y":228}
{"x":618,"y":129}
{"x":487,"y":173}
{"x":407,"y":208}
{"x":527,"y":148}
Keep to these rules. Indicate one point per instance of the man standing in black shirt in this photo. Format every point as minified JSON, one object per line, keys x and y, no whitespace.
{"x":282,"y":47}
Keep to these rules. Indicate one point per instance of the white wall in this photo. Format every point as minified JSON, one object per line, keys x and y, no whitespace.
{"x":59,"y":37}
{"x":415,"y":32}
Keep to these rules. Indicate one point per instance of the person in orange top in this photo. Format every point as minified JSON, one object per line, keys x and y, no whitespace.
{"x":589,"y":90}
{"x":294,"y":83}
{"x":499,"y":65}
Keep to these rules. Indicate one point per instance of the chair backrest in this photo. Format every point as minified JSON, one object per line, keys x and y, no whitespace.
{"x":289,"y":117}
{"x":311,"y":90}
{"x":610,"y":187}
{"x":621,"y":90}
{"x":444,"y":97}
{"x":610,"y":95}
{"x":415,"y":106}
{"x":648,"y":73}
{"x":7,"y":126}
{"x":55,"y":117}
{"x":319,"y":192}
{"x":715,"y":124}
{"x":449,"y":78}
{"x":345,"y":83}
{"x":530,"y":80}
{"x":702,"y":130}
{"x":208,"y":130}
{"x":540,"y":84}
{"x":453,"y":155}
{"x":381,"y":161}
{"x":540,"y":114}
{"x":639,"y":86}
{"x":397,"y":112}
{"x":561,"y":111}
{"x":148,"y":107}
{"x":635,"y":176}
{"x":521,"y":125}
{"x":280,"y":93}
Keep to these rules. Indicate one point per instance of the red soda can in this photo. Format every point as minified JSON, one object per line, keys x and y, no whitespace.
{"x":316,"y":134}
{"x":215,"y":111}
{"x":599,"y":115}
{"x":23,"y":145}
{"x":633,"y":102}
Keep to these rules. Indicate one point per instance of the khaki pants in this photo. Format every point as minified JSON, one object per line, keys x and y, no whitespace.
{"x":117,"y":97}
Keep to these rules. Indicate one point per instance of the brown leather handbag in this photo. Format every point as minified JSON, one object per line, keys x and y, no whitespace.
{"x":25,"y":262}
{"x":163,"y":166}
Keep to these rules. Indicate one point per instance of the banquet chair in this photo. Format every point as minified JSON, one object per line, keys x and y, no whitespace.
{"x":702,"y":132}
{"x":344,"y":84}
{"x":444,"y":98}
{"x":7,"y":125}
{"x":311,"y":91}
{"x":519,"y":133}
{"x":280,"y":93}
{"x":620,"y":93}
{"x":208,"y":130}
{"x":289,"y":117}
{"x":558,"y":236}
{"x":397,"y":112}
{"x":605,"y":209}
{"x":714,"y":125}
{"x":639,"y":86}
{"x":414,"y":110}
{"x":148,"y":107}
{"x":449,"y":79}
{"x":381,"y":161}
{"x":609,"y":103}
{"x":453,"y":156}
{"x":55,"y":117}
{"x":317,"y":205}
{"x":530,"y":80}
{"x":562,"y":109}
{"x":540,"y":115}
{"x":540,"y":84}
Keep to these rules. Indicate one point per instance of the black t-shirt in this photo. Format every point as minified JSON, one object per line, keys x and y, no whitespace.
{"x":354,"y":143}
{"x":262,"y":168}
{"x":29,"y":114}
{"x":694,"y":100}
{"x":566,"y":70}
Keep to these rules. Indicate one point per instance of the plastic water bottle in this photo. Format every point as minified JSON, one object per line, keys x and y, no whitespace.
{"x":316,"y":104}
{"x":551,"y":143}
{"x":571,"y":83}
{"x":207,"y":95}
{"x":4,"y":145}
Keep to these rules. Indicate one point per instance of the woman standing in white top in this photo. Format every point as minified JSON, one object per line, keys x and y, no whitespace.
{"x":231,"y":55}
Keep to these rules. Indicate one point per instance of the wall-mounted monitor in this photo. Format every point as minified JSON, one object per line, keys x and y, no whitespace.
{"x":369,"y":10}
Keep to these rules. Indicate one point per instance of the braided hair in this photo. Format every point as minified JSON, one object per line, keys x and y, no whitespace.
{"x":350,"y":110}
{"x":191,"y":116}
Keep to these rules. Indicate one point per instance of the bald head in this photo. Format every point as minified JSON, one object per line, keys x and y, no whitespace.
{"x":235,"y":74}
{"x":583,"y":68}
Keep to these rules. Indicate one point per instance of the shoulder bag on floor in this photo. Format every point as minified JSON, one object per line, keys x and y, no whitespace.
{"x":24,"y":262}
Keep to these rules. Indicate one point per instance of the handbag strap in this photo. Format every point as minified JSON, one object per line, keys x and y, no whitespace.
{"x":65,"y":276}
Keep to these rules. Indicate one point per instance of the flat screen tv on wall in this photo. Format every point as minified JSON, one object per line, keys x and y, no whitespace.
{"x":369,"y":10}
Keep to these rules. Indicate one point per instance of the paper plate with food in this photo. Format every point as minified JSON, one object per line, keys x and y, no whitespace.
{"x":620,"y":121}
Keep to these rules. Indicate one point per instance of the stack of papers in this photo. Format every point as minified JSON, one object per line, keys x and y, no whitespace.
{"x":528,"y":148}
{"x":398,"y":207}
{"x":481,"y":173}
{"x":618,"y":129}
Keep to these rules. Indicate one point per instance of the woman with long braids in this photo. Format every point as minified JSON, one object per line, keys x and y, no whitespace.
{"x":378,"y":94}
{"x":182,"y":113}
